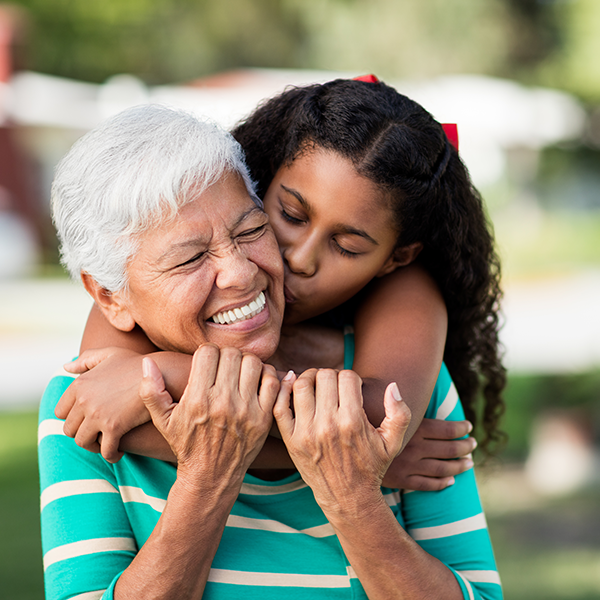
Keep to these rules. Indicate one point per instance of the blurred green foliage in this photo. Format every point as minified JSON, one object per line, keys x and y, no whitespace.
{"x":20,"y":548}
{"x":551,"y":41}
{"x":528,"y":395}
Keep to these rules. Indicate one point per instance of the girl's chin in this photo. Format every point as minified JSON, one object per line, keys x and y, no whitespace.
{"x":294,"y":314}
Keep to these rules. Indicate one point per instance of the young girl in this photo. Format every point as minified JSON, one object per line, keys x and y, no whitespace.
{"x":358,"y":181}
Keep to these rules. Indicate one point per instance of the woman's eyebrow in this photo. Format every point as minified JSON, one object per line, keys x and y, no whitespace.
{"x":193,"y":244}
{"x":250,"y":212}
{"x":198,"y":242}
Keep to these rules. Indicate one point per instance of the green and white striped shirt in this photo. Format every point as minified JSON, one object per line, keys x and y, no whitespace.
{"x":277,"y":541}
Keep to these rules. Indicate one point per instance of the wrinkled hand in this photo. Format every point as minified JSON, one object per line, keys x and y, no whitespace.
{"x":222,"y":420}
{"x":103,"y":403}
{"x":426,"y":462}
{"x":339,"y":454}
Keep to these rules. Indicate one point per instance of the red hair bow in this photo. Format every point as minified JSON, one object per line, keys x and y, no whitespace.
{"x":367,"y":79}
{"x":451,"y":131}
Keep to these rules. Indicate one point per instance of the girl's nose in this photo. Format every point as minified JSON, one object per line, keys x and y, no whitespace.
{"x":301,"y":258}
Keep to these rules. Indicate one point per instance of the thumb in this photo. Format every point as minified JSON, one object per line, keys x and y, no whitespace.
{"x":282,"y":410}
{"x":87,"y":360}
{"x":156,"y":398}
{"x":397,"y":417}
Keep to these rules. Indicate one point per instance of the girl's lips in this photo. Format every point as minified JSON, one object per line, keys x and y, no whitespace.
{"x":289,"y":297}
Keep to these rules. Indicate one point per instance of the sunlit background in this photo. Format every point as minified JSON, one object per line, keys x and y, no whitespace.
{"x":521,"y":78}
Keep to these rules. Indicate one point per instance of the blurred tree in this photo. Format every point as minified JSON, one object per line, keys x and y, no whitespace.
{"x":550,"y":41}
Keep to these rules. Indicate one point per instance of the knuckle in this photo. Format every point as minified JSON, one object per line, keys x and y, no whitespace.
{"x":442,"y":468}
{"x":252,"y":359}
{"x":207,"y":350}
{"x":350,"y":376}
{"x":302,"y":384}
{"x":230,"y":353}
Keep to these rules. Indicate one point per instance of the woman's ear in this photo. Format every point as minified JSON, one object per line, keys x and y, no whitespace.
{"x":400,"y":257}
{"x":112,"y":304}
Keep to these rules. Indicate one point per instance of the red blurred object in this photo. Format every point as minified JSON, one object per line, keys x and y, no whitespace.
{"x":367,"y":78}
{"x":451,"y":131}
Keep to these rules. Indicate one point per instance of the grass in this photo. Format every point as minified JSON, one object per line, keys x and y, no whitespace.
{"x":20,"y":549}
{"x":549,"y":551}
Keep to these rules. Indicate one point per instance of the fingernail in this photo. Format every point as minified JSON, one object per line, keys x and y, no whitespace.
{"x":470,"y":426}
{"x":450,"y":482}
{"x":469,"y":463}
{"x":289,"y":375}
{"x":474,"y":442}
{"x":396,"y":392}
{"x":146,"y":367}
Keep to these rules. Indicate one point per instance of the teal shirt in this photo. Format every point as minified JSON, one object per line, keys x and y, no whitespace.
{"x":277,"y":542}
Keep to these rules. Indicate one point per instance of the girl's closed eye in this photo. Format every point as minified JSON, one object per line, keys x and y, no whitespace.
{"x":344,"y":252}
{"x":286,"y":215}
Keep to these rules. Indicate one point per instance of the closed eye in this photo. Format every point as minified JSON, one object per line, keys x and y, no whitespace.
{"x":253,"y":233}
{"x":345,"y":252}
{"x":193,"y":259}
{"x":290,"y":219}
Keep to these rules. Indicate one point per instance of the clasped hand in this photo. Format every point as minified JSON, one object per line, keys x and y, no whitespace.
{"x":104,"y":403}
{"x":339,"y":454}
{"x":224,"y":415}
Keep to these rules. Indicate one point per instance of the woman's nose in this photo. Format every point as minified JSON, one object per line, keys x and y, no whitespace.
{"x":302,"y":258}
{"x":235,"y":270}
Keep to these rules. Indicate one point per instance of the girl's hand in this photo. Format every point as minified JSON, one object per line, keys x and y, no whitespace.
{"x":103,"y":403}
{"x":222,"y":420}
{"x":433,"y":456}
{"x":339,"y":454}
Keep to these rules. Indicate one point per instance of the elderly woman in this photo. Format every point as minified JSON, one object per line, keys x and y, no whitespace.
{"x":156,"y":213}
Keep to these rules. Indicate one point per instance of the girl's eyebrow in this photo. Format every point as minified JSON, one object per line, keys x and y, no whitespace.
{"x":342,"y":227}
{"x":305,"y":205}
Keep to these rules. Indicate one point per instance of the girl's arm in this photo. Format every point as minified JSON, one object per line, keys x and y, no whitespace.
{"x":400,"y":333}
{"x":99,"y":333}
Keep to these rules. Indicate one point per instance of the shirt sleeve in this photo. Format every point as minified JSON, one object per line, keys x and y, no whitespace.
{"x":87,"y":541}
{"x":450,"y":524}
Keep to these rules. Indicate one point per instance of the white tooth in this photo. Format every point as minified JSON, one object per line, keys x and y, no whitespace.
{"x":238,"y":313}
{"x":221,"y":319}
{"x":253,"y":306}
{"x":232,"y":316}
{"x":225,"y":317}
{"x":261,"y":296}
{"x":215,"y":319}
{"x":246,"y":310}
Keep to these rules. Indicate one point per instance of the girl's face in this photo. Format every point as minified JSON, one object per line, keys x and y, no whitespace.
{"x":334,"y":228}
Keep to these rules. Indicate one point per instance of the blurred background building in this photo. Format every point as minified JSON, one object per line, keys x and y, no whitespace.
{"x":521,"y":78}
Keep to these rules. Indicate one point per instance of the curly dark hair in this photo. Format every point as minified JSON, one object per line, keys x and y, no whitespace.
{"x":398,"y":145}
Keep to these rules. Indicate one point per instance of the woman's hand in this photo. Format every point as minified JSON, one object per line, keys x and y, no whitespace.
{"x":103,"y":403}
{"x":432,"y":457}
{"x":339,"y":454}
{"x":222,"y":419}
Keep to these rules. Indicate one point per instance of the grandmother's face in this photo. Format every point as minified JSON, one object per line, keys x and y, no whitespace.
{"x":213,"y":275}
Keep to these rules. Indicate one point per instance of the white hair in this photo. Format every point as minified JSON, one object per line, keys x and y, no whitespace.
{"x":133,"y":172}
